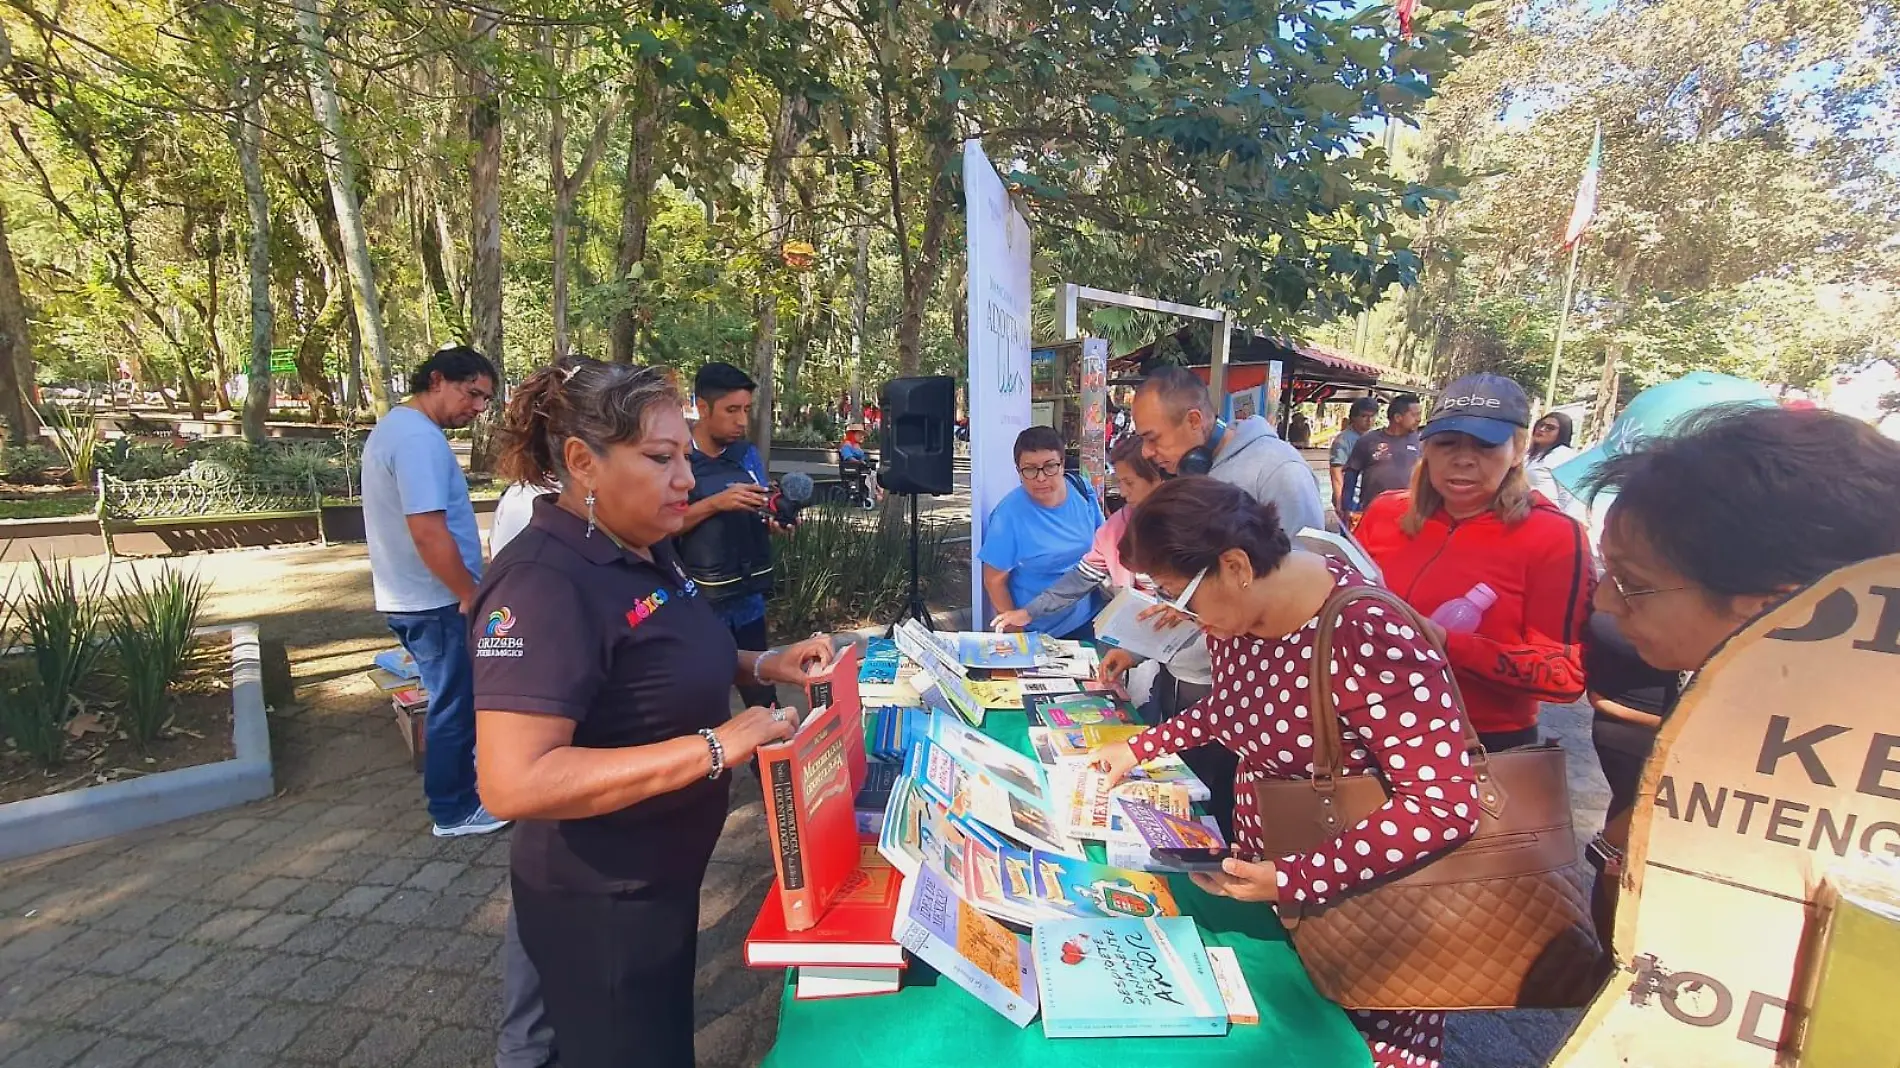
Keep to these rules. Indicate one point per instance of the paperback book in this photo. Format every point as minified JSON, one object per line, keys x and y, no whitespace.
{"x":874,"y":797}
{"x":1126,"y":978}
{"x":1006,"y":694}
{"x":823,"y":983}
{"x":970,"y":791}
{"x":968,"y":948}
{"x":1094,"y":810}
{"x":1079,"y":710}
{"x":1120,"y":625}
{"x":981,"y":649}
{"x":949,"y":692}
{"x":1067,"y":659}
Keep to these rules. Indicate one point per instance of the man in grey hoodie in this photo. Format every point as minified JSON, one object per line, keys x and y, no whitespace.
{"x":1175,"y":418}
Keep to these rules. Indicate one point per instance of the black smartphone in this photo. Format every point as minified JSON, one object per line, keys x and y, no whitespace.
{"x":1193,"y":858}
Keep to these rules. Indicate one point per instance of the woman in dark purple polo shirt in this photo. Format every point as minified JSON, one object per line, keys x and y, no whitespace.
{"x":602,"y":682}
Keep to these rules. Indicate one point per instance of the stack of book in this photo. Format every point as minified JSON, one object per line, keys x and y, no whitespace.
{"x":959,"y":851}
{"x":394,"y":672}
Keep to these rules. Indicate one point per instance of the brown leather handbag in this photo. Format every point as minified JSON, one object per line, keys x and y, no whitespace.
{"x":1501,"y":920}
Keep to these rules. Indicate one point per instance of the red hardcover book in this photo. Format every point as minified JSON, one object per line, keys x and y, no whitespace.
{"x":855,"y":932}
{"x":810,"y":781}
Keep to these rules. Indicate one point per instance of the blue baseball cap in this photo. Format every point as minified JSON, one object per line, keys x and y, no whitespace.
{"x":1489,"y":407}
{"x":1654,"y":413}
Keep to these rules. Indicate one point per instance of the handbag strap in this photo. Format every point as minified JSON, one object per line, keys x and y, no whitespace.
{"x":1329,"y":759}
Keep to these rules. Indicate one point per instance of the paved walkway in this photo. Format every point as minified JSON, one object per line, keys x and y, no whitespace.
{"x":326,"y":927}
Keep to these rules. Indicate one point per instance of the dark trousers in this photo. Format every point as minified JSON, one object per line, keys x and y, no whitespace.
{"x":525,"y":1039}
{"x":1499,"y":741}
{"x":753,"y":636}
{"x":616,"y":973}
{"x":438,"y":640}
{"x":1214,"y":764}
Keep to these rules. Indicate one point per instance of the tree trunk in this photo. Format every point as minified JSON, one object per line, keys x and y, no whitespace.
{"x":349,"y":214}
{"x":860,"y":289}
{"x":310,"y":351}
{"x":636,"y":192}
{"x":435,"y":268}
{"x":1622,"y":285}
{"x":765,"y":334}
{"x":484,"y":179}
{"x":922,"y":281}
{"x":246,"y":133}
{"x":567,"y":188}
{"x":17,"y":393}
{"x":220,"y":366}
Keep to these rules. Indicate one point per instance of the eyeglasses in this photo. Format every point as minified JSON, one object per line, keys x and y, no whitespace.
{"x":1631,"y":593}
{"x":1048,"y":470}
{"x":474,"y":394}
{"x":1180,"y":603}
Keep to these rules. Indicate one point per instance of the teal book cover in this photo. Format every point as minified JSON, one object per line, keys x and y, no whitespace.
{"x":1126,"y":978}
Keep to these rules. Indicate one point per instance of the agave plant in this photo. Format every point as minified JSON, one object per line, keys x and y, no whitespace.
{"x":151,"y":633}
{"x":77,"y":438}
{"x":57,"y":615}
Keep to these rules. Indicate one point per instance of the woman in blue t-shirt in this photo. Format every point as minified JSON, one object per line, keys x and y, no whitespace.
{"x":1037,"y":533}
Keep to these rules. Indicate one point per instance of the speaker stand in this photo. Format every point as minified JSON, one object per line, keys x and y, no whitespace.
{"x":916,"y":608}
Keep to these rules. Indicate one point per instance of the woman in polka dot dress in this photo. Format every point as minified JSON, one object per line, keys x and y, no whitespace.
{"x":1229,"y":565}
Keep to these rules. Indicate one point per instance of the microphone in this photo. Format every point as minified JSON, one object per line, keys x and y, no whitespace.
{"x":793,"y":493}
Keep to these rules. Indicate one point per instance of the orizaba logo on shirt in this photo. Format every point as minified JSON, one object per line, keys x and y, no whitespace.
{"x":496,"y":639}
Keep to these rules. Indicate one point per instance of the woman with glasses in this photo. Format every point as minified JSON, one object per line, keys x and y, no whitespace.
{"x":1712,"y":525}
{"x":603,"y":725}
{"x":1036,"y":533}
{"x":1471,"y":518}
{"x":1550,"y":448}
{"x":1224,"y":560}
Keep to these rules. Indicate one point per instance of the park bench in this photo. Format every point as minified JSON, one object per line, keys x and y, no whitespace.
{"x":206,"y":495}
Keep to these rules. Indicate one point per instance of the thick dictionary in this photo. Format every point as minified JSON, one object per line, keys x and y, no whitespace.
{"x":811,"y":780}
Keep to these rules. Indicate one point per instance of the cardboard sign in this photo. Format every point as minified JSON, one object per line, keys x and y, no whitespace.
{"x":1782,"y":756}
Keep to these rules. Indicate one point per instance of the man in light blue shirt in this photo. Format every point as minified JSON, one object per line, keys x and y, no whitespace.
{"x":425,"y":558}
{"x":1037,"y":532}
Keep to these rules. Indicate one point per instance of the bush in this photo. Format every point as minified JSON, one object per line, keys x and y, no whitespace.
{"x":76,"y":436}
{"x":800,"y":437}
{"x":131,"y":461}
{"x":28,"y":465}
{"x":843,"y":569}
{"x":152,"y":634}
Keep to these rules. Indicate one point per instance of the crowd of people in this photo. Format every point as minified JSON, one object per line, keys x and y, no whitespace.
{"x":581,"y":677}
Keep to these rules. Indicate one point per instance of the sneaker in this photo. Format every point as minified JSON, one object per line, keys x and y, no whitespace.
{"x":477,"y":822}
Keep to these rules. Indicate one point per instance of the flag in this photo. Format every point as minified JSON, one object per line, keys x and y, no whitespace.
{"x":1586,"y":206}
{"x":1406,"y":7}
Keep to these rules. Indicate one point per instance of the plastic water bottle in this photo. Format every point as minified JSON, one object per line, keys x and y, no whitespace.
{"x":1461,"y":615}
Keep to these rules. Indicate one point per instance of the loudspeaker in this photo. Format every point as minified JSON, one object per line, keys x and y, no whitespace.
{"x":919,"y":427}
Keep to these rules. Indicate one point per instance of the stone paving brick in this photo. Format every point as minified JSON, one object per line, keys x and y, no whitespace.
{"x":274,"y":1028}
{"x":189,"y":1015}
{"x":437,"y":875}
{"x":235,"y":827}
{"x":177,"y":1055}
{"x":271,"y":893}
{"x":271,"y":931}
{"x":449,"y":911}
{"x":134,"y":915}
{"x":380,"y":988}
{"x":272,"y":976}
{"x":465,"y":953}
{"x":176,"y":961}
{"x":330,"y":1035}
{"x":404,"y":907}
{"x":393,"y":871}
{"x":54,"y":1049}
{"x":313,"y":896}
{"x":183,"y":918}
{"x":356,"y":902}
{"x":226,"y":926}
{"x":227,"y":967}
{"x":117,"y":1051}
{"x":454,"y":1047}
{"x":324,"y":981}
{"x":366,"y":941}
{"x":478,"y":881}
{"x":116,"y":1003}
{"x":49,"y":994}
{"x":414,"y":948}
{"x":389,"y":1040}
{"x":129,"y":954}
{"x":318,"y":936}
{"x":36,"y":943}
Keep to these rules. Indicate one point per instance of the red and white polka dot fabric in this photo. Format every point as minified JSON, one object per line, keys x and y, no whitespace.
{"x":1394,"y":697}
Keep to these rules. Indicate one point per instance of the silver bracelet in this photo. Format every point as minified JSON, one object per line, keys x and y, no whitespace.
{"x":760,"y":663}
{"x":718,"y":754}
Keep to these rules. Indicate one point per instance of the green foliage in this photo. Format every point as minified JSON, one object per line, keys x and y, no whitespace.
{"x":841,"y":569}
{"x":130,"y":460}
{"x":76,"y":436}
{"x":27,"y":465}
{"x":151,"y":635}
{"x":59,"y":617}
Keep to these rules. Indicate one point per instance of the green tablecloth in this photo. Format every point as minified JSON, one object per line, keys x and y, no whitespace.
{"x":933,"y":1022}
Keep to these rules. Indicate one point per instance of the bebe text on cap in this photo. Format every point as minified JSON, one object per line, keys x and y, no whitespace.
{"x":1488,"y":407}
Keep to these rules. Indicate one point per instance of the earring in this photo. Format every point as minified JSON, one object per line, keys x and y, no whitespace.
{"x":590,"y":514}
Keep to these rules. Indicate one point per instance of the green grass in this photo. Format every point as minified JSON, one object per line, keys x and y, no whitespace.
{"x":59,"y":505}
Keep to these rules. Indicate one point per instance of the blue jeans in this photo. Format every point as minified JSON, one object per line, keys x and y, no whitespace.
{"x":438,"y":639}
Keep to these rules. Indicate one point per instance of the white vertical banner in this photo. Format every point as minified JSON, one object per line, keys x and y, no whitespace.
{"x":998,"y":283}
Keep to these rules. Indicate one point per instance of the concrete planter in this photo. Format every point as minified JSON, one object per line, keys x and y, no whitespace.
{"x":57,"y":820}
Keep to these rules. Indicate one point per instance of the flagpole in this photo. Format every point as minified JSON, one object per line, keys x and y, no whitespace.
{"x":1563,"y":321}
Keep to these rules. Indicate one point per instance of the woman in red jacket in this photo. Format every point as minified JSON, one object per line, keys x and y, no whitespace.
{"x":1469,"y":518}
